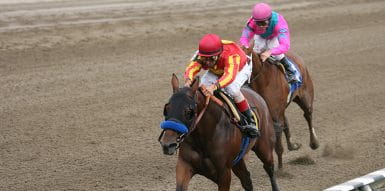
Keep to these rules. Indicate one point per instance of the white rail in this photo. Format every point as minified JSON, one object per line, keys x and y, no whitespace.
{"x":371,"y":182}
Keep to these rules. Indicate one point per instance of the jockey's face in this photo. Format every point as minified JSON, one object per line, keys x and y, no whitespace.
{"x":209,"y":61}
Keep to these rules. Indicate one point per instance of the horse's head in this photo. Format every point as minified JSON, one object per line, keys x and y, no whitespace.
{"x":180,"y":113}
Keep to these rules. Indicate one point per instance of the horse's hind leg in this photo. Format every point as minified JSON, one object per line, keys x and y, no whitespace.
{"x":265,"y":154}
{"x":240,"y":170}
{"x":290,"y":146}
{"x":278,"y":143}
{"x":224,"y":180}
{"x":270,"y":171}
{"x":306,"y":104}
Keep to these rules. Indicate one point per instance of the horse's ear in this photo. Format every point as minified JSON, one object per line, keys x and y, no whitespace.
{"x":174,"y":83}
{"x":195,"y":84}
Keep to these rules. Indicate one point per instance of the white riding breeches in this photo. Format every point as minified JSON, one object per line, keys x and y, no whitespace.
{"x":262,"y":44}
{"x":234,"y":88}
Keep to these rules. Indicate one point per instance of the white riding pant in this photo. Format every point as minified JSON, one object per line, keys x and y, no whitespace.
{"x":234,"y":88}
{"x":262,"y":44}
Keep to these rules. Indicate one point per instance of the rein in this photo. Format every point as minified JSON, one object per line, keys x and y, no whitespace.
{"x":207,"y":100}
{"x":199,"y":116}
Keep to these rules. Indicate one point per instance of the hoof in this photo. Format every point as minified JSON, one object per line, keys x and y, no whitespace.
{"x":314,"y":145}
{"x":294,"y":146}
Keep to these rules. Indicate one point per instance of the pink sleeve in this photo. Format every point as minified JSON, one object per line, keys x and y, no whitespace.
{"x":283,"y":34}
{"x":247,"y":34}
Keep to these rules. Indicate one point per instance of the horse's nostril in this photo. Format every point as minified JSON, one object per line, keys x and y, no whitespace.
{"x":169,"y":146}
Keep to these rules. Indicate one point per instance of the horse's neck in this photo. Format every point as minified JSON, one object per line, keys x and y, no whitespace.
{"x":212,"y":131}
{"x":260,"y":67}
{"x":208,"y":125}
{"x":257,"y":64}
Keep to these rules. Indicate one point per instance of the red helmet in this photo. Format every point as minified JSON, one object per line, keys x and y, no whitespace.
{"x":210,"y":45}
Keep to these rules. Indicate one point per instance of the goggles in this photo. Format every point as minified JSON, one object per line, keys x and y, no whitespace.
{"x":208,"y":58}
{"x":261,"y":23}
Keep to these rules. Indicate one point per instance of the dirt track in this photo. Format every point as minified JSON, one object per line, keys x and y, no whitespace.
{"x":83,"y":86}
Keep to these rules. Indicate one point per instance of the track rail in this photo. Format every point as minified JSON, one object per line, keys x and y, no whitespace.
{"x":374,"y":181}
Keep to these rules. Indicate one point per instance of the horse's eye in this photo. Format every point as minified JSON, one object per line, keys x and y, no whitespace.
{"x":189,"y":114}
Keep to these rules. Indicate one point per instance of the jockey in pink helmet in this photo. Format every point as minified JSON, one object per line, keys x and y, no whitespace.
{"x":271,"y":36}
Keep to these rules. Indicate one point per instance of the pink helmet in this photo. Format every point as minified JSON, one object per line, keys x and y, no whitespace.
{"x":210,"y":45}
{"x":261,"y":12}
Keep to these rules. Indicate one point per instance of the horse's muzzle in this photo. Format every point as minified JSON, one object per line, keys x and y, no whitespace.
{"x":169,"y":148}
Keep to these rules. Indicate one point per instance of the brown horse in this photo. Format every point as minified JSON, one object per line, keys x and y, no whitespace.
{"x":209,"y":140}
{"x":269,"y":81}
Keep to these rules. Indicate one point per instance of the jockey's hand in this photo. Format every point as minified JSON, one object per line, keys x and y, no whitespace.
{"x":209,"y":91}
{"x":265,"y":55}
{"x":187,"y":82}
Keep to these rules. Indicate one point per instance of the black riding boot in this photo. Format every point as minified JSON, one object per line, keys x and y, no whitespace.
{"x":290,"y":73}
{"x":250,"y":127}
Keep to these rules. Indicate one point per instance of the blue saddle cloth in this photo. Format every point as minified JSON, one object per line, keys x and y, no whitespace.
{"x":242,"y":152}
{"x":296,"y":85}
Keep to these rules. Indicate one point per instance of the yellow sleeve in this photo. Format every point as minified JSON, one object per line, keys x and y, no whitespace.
{"x":192,"y":69}
{"x":230,"y":71}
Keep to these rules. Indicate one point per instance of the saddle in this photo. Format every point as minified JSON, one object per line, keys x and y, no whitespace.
{"x":277,"y":63}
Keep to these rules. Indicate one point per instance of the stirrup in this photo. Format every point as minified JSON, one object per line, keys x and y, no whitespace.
{"x":251,"y":131}
{"x":291,"y":79}
{"x":249,"y":125}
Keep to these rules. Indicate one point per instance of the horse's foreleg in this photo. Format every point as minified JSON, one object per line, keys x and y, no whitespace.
{"x":184,"y":173}
{"x":224,"y":180}
{"x":240,"y":170}
{"x":308,"y":114}
{"x":290,"y":146}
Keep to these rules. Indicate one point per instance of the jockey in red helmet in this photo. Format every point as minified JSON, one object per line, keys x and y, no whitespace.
{"x":227,"y":68}
{"x":271,"y":37}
